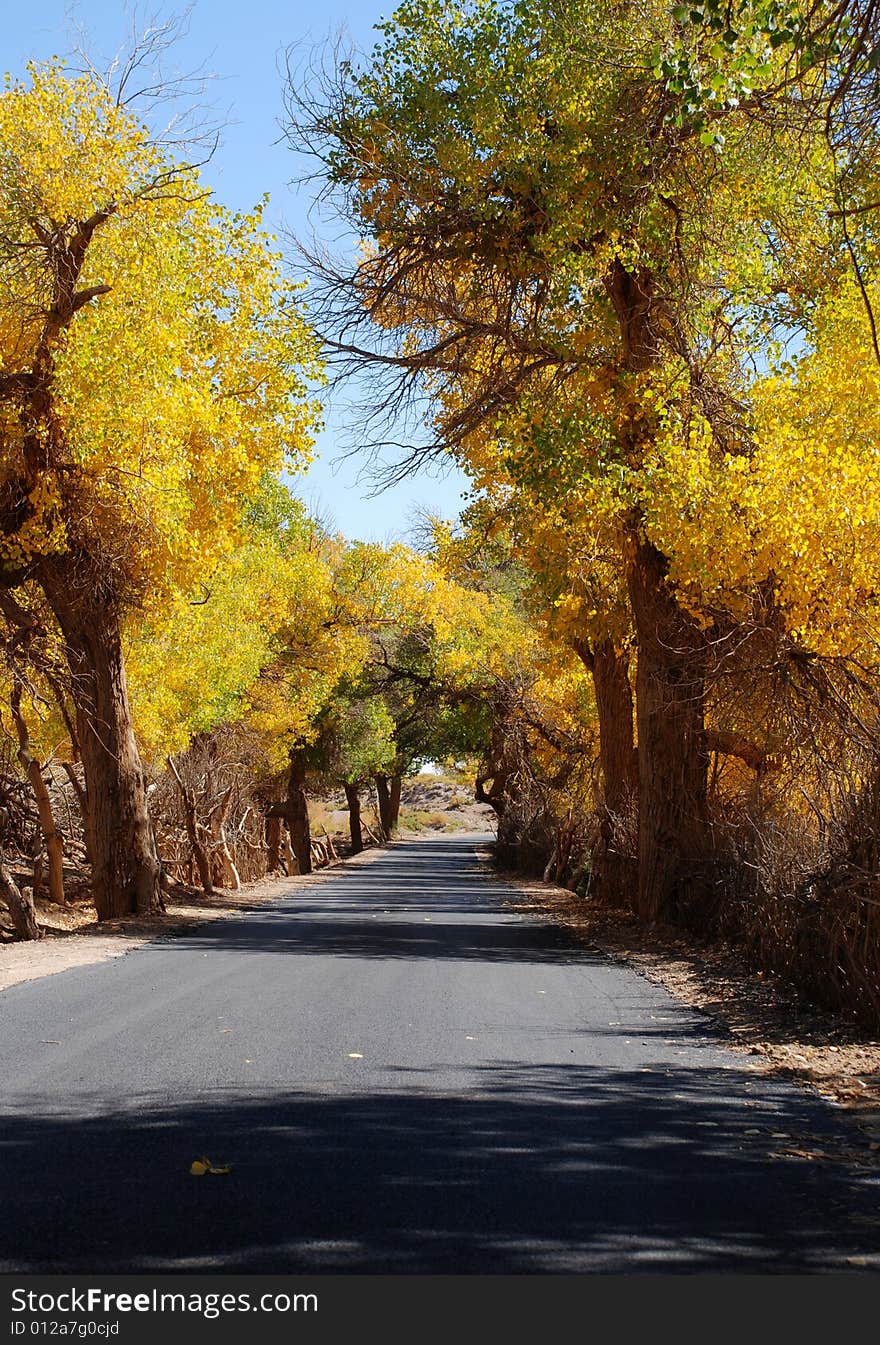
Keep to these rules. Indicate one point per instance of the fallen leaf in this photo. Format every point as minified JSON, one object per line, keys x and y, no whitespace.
{"x":203,"y":1165}
{"x":355,"y":1055}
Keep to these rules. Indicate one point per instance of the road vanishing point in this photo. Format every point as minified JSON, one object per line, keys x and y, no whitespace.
{"x":405,"y":1073}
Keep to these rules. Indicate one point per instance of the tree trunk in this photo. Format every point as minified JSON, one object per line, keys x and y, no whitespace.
{"x":614,"y":706}
{"x":383,"y":794}
{"x":200,"y":855}
{"x":672,"y":751}
{"x":612,"y":873}
{"x":125,"y":869}
{"x":394,"y":800}
{"x":290,"y":865}
{"x":273,"y":844}
{"x":353,"y":799}
{"x":388,"y":794}
{"x":31,"y":767}
{"x":21,"y":907}
{"x":298,"y":812}
{"x":670,"y":691}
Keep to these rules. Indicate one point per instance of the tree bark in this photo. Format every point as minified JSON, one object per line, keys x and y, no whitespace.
{"x":273,"y":844}
{"x":614,"y":706}
{"x":383,"y":794}
{"x":353,"y":799}
{"x":394,"y":800}
{"x":21,"y":907}
{"x":125,"y":867}
{"x":672,"y":747}
{"x":298,"y":811}
{"x":290,"y":865}
{"x":388,"y":794}
{"x":612,"y":874}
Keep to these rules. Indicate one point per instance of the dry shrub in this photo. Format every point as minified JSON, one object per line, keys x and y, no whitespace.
{"x":798,"y":847}
{"x":226,"y":775}
{"x":793,"y":873}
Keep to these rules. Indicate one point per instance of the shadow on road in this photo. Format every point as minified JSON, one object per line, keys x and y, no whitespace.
{"x":539,"y":1169}
{"x":433,"y":888}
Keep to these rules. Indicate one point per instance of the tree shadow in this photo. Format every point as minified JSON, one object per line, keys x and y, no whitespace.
{"x":536,"y":1169}
{"x":424,"y":903}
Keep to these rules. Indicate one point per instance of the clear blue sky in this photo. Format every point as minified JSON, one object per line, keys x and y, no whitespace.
{"x":242,"y":43}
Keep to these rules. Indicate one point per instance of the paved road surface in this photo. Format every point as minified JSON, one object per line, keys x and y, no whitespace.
{"x":407,"y":1075}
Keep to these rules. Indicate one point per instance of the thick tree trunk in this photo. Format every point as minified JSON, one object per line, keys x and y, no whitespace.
{"x":383,"y":794}
{"x":31,"y":767}
{"x":612,"y":874}
{"x":353,"y":799}
{"x":614,"y":706}
{"x":298,"y":812}
{"x":394,"y":800}
{"x":672,"y":750}
{"x":388,"y":794}
{"x":21,"y":907}
{"x":125,"y":867}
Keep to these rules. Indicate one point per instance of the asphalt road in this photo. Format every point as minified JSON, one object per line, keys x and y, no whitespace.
{"x":406,"y":1075}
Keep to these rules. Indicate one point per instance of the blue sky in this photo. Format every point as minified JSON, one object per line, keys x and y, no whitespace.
{"x":241,"y":42}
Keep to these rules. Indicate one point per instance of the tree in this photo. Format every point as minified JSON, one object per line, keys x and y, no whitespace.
{"x":578,"y":251}
{"x":151,"y":358}
{"x":356,"y":743}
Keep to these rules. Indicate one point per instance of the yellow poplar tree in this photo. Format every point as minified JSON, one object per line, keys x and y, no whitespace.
{"x":152,"y":369}
{"x":583,"y":221}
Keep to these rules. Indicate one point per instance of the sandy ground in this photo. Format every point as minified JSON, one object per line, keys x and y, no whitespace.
{"x":759,"y":1014}
{"x":75,"y":939}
